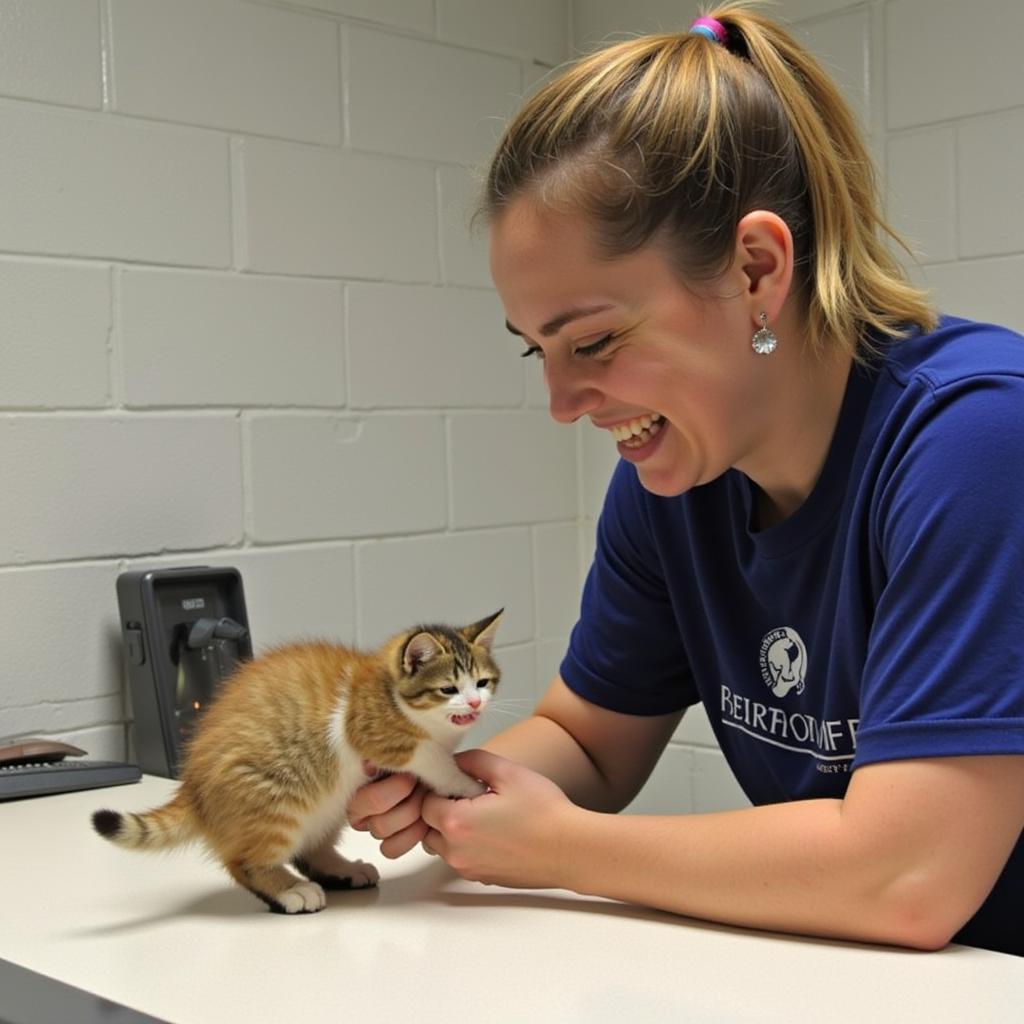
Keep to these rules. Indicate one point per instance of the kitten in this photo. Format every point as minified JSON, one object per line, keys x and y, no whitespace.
{"x":274,"y":761}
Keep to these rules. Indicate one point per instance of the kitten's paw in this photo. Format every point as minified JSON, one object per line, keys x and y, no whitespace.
{"x":354,"y":875}
{"x":463,"y":786}
{"x":332,"y":871}
{"x":363,"y":876}
{"x":303,"y":898}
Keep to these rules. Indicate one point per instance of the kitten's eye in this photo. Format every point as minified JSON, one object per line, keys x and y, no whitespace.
{"x":449,"y":691}
{"x":483,"y":683}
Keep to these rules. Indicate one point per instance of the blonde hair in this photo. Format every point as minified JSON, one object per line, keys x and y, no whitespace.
{"x":673,"y":138}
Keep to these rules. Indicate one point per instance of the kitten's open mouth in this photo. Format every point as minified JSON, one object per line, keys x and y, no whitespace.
{"x":464,"y":719}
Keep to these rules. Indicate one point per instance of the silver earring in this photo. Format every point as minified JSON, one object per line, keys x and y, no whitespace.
{"x":764,"y":341}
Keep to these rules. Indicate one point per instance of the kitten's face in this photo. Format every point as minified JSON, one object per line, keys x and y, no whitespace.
{"x":458,"y":700}
{"x":448,"y":675}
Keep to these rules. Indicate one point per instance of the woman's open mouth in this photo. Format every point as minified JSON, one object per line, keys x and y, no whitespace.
{"x":636,"y":433}
{"x":638,"y":438}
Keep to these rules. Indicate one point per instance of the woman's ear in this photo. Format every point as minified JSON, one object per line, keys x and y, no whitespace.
{"x":764,"y":259}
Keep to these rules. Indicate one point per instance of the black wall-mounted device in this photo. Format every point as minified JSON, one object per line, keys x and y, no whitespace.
{"x":185,"y":631}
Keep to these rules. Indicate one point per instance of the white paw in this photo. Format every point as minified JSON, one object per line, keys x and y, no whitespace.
{"x":303,"y":898}
{"x":462,"y":786}
{"x":364,"y":876}
{"x":349,"y":874}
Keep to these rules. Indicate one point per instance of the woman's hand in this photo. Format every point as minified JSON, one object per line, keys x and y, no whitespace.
{"x":516,"y":835}
{"x":390,"y":810}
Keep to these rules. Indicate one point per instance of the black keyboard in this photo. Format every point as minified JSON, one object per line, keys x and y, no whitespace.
{"x":18,"y":780}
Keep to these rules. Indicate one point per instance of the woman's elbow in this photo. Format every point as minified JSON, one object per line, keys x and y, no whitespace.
{"x":920,"y":916}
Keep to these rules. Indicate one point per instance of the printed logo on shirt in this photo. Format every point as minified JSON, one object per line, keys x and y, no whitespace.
{"x":783,"y":657}
{"x":783,"y":661}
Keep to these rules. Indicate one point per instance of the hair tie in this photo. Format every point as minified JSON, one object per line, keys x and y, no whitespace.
{"x":710,"y":28}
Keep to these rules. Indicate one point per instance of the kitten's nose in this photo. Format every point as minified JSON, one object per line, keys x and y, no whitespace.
{"x":473,"y":701}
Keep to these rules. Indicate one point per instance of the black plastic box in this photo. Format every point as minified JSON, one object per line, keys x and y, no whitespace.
{"x":185,"y":631}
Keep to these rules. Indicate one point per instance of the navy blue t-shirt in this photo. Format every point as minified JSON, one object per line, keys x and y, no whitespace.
{"x":883,"y":620}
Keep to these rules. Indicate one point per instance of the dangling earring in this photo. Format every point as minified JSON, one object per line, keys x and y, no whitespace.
{"x":764,"y":341}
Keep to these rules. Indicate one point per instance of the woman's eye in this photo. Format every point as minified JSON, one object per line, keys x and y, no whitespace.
{"x":595,"y":347}
{"x":449,"y":691}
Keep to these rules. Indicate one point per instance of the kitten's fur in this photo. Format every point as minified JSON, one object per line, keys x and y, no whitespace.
{"x":274,"y":761}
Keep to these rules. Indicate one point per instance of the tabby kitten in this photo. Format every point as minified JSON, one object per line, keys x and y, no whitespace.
{"x":273,"y":763}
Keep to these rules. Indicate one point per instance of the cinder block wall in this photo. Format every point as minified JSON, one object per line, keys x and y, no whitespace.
{"x":943,"y":104}
{"x":242,"y":322}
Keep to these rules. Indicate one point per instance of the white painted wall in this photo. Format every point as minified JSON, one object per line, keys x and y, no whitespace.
{"x":242,"y":322}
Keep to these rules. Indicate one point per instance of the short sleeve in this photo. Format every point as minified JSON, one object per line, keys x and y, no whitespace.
{"x":944,"y":674}
{"x":626,"y":652}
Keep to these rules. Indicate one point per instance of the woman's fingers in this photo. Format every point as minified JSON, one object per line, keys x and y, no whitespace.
{"x":390,"y":810}
{"x":400,"y":843}
{"x":377,"y":798}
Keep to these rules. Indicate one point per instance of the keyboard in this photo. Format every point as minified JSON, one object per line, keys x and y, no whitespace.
{"x":42,"y":778}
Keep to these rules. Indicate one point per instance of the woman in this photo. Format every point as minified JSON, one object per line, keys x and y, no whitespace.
{"x":814,"y":527}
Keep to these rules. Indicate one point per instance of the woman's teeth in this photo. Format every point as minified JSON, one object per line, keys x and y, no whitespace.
{"x":637,"y":432}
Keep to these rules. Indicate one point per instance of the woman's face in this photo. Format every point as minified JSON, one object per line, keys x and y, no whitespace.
{"x":625,"y":344}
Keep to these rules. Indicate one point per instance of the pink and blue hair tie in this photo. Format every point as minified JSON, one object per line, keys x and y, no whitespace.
{"x":710,"y":28}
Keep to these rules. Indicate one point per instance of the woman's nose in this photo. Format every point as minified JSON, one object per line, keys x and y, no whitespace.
{"x":571,"y":396}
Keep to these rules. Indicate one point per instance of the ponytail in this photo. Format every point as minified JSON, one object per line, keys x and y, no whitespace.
{"x":678,"y":136}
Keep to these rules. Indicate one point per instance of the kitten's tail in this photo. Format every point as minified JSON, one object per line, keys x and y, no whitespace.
{"x":159,"y":829}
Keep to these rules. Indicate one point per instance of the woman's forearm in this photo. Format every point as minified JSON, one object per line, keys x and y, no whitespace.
{"x":906,"y":857}
{"x":786,"y":867}
{"x":599,"y":758}
{"x":546,"y":747}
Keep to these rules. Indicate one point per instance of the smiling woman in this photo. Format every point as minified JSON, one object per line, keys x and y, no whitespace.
{"x":685,"y":228}
{"x":623,"y":340}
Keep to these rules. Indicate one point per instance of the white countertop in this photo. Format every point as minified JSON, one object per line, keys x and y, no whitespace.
{"x":172,"y":936}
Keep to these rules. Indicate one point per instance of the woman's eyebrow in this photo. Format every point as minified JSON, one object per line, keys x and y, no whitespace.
{"x":555,"y":324}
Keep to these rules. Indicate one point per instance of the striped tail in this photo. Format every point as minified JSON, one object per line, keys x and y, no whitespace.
{"x":159,"y":829}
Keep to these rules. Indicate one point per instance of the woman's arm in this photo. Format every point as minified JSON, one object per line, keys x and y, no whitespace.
{"x":600,"y":759}
{"x":905,"y":858}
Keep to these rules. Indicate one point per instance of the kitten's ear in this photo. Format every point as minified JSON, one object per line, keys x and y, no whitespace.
{"x":482,"y":632}
{"x":418,"y":651}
